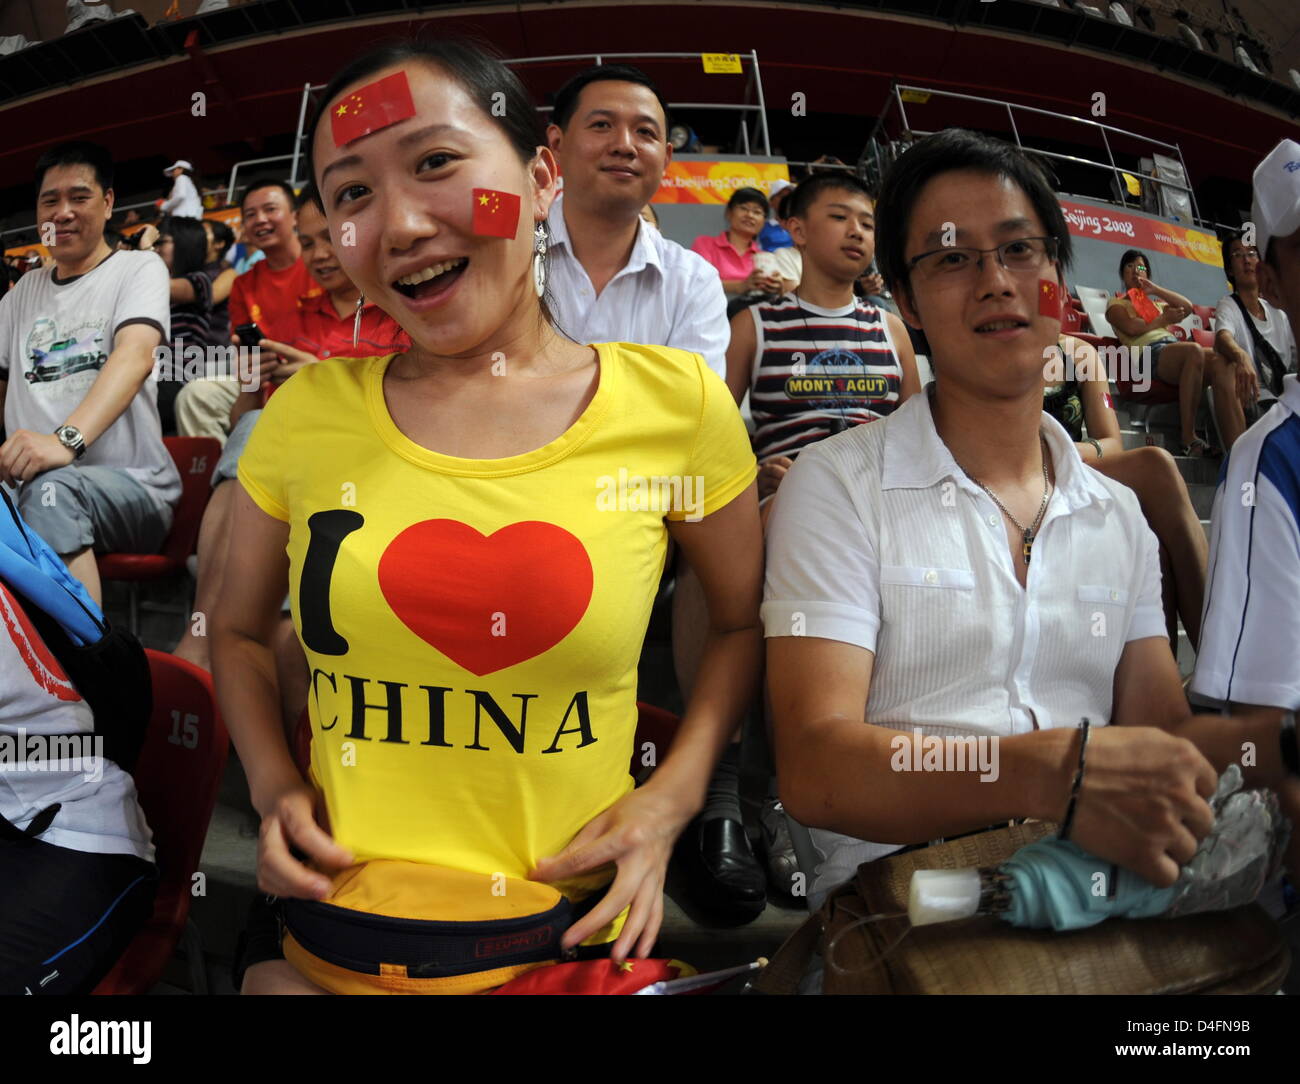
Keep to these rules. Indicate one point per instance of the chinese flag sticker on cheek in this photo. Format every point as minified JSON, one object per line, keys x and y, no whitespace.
{"x":496,"y":214}
{"x":1049,"y":300}
{"x":374,"y":106}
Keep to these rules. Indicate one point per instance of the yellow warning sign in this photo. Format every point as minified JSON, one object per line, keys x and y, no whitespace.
{"x":721,"y":63}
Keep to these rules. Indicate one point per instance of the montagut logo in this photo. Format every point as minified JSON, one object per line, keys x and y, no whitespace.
{"x":513,"y":942}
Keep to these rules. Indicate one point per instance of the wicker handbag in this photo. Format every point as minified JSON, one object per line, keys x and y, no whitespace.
{"x":1229,"y":952}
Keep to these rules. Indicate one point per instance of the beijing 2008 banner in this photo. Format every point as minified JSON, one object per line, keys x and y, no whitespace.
{"x":714,"y":181}
{"x":1140,"y":231}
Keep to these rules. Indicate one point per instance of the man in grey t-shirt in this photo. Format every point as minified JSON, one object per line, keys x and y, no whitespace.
{"x":77,"y":343}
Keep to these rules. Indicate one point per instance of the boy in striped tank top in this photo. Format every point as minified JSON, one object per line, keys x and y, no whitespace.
{"x":819,"y":360}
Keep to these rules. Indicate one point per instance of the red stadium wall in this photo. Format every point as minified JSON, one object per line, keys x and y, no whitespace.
{"x":843,"y":61}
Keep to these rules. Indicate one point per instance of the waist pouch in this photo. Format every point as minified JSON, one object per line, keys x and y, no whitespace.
{"x":408,"y":927}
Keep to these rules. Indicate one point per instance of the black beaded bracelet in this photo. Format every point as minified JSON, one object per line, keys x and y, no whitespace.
{"x":1290,"y":745}
{"x":1068,"y":823}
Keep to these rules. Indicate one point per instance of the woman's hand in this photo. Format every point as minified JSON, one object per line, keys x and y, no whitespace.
{"x":291,"y":822}
{"x":289,"y":360}
{"x":637,"y":834}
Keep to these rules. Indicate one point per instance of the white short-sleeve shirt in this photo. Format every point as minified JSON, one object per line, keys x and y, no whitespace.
{"x":1250,"y":627}
{"x":55,"y":338}
{"x":880,"y":540}
{"x":1275,"y":329}
{"x":665,"y":295}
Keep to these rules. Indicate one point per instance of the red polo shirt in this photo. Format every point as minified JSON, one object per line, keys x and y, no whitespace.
{"x":323,"y":332}
{"x":269,"y":298}
{"x":718,"y":251}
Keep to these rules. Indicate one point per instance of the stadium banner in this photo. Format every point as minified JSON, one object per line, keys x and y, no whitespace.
{"x":231,"y":216}
{"x":704,"y":181}
{"x":1140,"y":231}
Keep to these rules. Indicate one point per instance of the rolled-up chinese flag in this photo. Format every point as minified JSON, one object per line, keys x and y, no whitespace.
{"x":496,"y":214}
{"x":1143,"y":305}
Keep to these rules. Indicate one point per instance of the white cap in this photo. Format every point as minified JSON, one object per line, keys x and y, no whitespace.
{"x":1276,"y":207}
{"x":180,"y":163}
{"x":943,"y":895}
{"x":777,"y":188}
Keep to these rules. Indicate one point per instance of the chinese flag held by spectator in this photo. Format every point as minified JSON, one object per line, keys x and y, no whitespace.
{"x":1143,"y":305}
{"x":496,"y":214}
{"x":1049,"y":299}
{"x":374,"y":106}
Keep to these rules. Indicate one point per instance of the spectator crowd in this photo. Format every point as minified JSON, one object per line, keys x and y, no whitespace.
{"x":407,"y":546}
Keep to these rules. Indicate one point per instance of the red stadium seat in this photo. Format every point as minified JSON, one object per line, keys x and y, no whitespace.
{"x":1204,"y":338}
{"x":195,"y":459}
{"x":177,"y":779}
{"x":1206,"y":313}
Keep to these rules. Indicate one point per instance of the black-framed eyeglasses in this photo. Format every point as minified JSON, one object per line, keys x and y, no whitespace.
{"x":1024,"y":254}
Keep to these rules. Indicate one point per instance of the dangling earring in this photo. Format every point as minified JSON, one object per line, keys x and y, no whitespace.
{"x":356,"y":321}
{"x":539,"y":260}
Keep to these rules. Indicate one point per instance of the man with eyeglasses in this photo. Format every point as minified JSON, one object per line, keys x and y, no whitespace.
{"x":955,"y":571}
{"x":1250,"y":333}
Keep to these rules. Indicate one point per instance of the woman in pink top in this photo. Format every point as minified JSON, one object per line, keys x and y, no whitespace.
{"x":732,"y":251}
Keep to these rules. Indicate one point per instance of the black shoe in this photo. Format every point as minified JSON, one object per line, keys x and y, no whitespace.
{"x":722,"y":875}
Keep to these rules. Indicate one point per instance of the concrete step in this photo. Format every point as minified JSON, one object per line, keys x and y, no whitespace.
{"x":1202,"y":470}
{"x":1202,"y":497}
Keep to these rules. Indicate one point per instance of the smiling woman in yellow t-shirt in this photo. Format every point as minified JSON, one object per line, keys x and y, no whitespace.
{"x":472,"y":535}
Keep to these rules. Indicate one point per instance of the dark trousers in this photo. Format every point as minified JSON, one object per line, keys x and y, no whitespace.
{"x":66,"y":916}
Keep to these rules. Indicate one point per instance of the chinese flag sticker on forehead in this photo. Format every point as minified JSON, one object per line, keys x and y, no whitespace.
{"x":374,"y":106}
{"x":496,"y":214}
{"x":1049,"y":299}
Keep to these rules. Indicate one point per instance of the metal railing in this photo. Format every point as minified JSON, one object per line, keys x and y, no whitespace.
{"x":754,"y":85}
{"x":897,"y":100}
{"x":234,"y":170}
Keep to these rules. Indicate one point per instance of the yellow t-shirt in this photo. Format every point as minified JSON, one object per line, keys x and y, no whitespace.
{"x":1154,"y":335}
{"x":473,"y":627}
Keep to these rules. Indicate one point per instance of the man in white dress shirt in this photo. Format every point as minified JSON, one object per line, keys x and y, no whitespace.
{"x":955,"y":571}
{"x":612,"y":276}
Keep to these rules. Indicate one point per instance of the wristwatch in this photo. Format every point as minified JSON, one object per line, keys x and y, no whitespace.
{"x":70,"y":437}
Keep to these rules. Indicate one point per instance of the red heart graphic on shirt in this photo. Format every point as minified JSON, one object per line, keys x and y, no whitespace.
{"x":487,"y":601}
